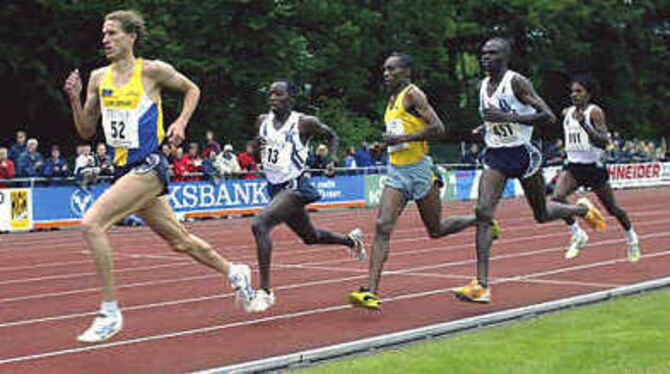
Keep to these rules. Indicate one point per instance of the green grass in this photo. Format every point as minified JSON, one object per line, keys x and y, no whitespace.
{"x":626,"y":335}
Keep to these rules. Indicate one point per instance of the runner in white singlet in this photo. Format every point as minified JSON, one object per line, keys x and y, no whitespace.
{"x":586,"y":138}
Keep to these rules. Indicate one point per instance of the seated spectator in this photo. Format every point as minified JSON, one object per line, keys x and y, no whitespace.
{"x":180,"y":165}
{"x":247,"y":161}
{"x":319,"y":160}
{"x":379,"y":157}
{"x":617,"y":140}
{"x":103,"y":161}
{"x":55,"y":166}
{"x":30,"y":162}
{"x":168,"y":152}
{"x":226,"y":162}
{"x":6,"y":166}
{"x":350,"y":158}
{"x":211,"y":145}
{"x":193,"y":162}
{"x":640,"y":152}
{"x":627,"y":152}
{"x":85,"y":170}
{"x":18,"y":148}
{"x":209,"y":168}
{"x":363,"y":156}
{"x":555,"y":153}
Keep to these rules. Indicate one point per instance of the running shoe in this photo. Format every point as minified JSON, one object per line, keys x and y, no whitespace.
{"x":261,"y":301}
{"x":634,"y":252}
{"x":594,"y":218}
{"x":473,"y":292}
{"x":240,"y":280}
{"x":365,"y":298}
{"x":579,"y":240}
{"x":104,"y":326}
{"x":358,"y":250}
{"x":495,"y":230}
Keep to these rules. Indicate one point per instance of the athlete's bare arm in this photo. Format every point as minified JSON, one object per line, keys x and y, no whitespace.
{"x":597,"y":132}
{"x":85,"y":117}
{"x":524,"y":91}
{"x":258,"y":142}
{"x":166,"y":76}
{"x":416,"y":103}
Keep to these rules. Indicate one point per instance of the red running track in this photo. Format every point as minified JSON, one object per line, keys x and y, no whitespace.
{"x":179,"y":316}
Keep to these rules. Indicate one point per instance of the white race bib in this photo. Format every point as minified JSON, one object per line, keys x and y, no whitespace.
{"x":121,"y":128}
{"x":576,"y":141}
{"x":395,"y":127}
{"x":276,"y":157}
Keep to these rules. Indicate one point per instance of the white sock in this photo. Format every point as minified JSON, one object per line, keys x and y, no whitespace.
{"x":231,"y":270}
{"x":631,"y":235}
{"x":574,"y":228}
{"x":110,"y":307}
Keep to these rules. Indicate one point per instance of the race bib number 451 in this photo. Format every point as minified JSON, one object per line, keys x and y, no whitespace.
{"x":121,"y":128}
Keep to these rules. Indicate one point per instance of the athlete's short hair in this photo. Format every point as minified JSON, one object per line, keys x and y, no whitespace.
{"x":588,"y":81}
{"x":406,"y":61}
{"x":507,"y":46}
{"x":291,"y":88}
{"x":131,"y":22}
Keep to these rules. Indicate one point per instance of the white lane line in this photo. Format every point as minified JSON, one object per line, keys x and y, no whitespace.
{"x":311,"y":266}
{"x":52,"y":243}
{"x":287,"y":316}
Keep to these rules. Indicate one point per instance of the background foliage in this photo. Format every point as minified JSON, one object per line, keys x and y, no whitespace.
{"x":334,"y":50}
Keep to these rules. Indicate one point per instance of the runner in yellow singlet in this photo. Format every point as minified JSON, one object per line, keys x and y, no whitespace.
{"x":126,"y":94}
{"x":410,"y":122}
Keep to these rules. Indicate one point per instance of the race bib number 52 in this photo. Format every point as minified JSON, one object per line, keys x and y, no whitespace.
{"x":121,"y":128}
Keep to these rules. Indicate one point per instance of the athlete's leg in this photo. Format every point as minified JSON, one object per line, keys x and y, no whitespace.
{"x":130,"y":193}
{"x":606,"y":197}
{"x":491,"y":185}
{"x":430,"y":208}
{"x":161,"y":218}
{"x":565,"y":186}
{"x":543,"y":210}
{"x":282,"y":206}
{"x":301,"y":224}
{"x":391,"y":205}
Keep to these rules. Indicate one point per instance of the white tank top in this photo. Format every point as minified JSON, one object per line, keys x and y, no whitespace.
{"x":284,"y":155}
{"x":578,"y":146}
{"x":505,"y":134}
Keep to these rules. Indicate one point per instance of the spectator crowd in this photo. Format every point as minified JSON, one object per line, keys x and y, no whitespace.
{"x":619,"y":151}
{"x":210,"y":161}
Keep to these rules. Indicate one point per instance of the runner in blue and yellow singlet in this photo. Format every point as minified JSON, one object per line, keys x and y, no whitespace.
{"x":126,"y":94}
{"x":410,"y":122}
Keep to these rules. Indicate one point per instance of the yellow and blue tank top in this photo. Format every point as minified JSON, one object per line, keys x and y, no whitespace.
{"x":133,"y":123}
{"x":398,"y":122}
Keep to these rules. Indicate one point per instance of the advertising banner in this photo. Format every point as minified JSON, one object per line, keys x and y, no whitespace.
{"x":57,"y":206}
{"x":16,"y":209}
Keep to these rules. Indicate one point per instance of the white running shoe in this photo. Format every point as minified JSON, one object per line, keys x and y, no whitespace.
{"x":261,"y":301}
{"x":634,"y":252}
{"x":240,"y":281}
{"x":102,"y":328}
{"x":579,"y":240}
{"x":358,"y":250}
